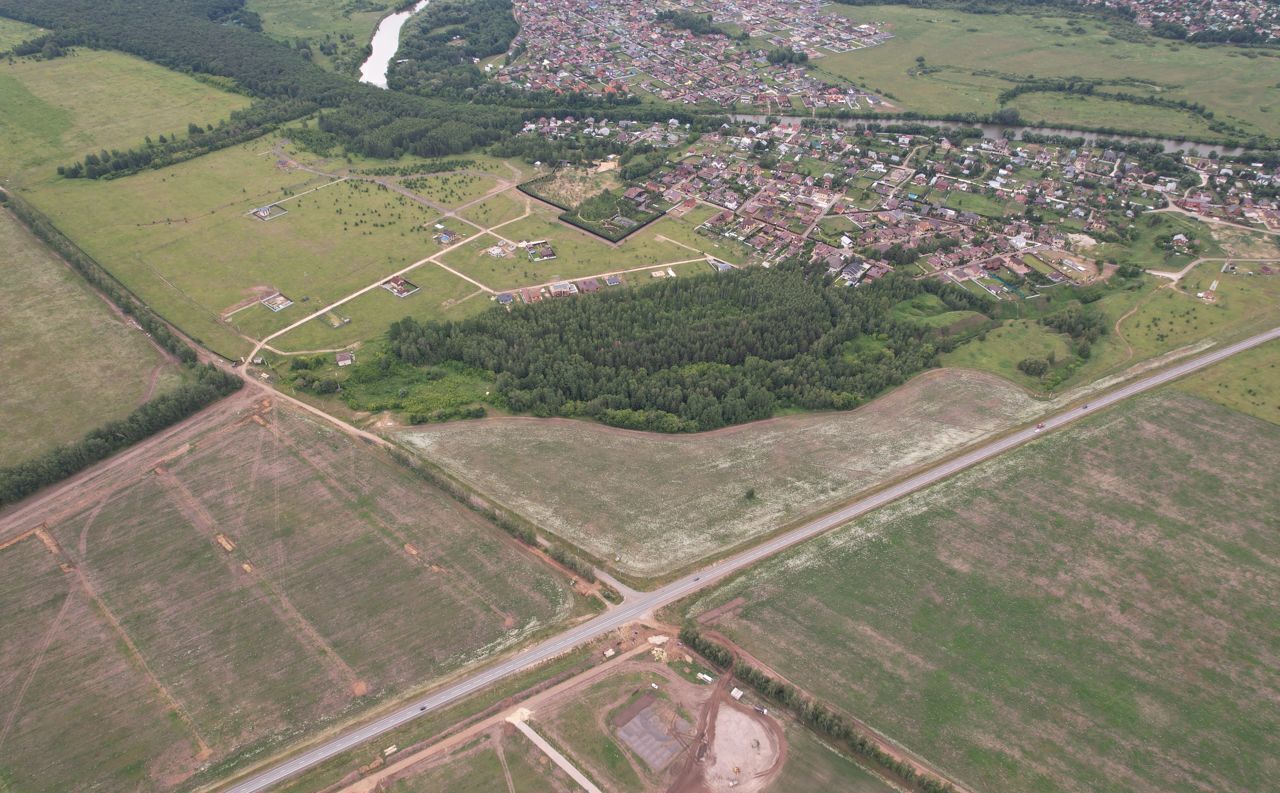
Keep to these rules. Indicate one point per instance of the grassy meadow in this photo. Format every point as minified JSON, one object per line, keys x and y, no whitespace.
{"x":968,"y":55}
{"x":348,"y":25}
{"x":1091,"y":612}
{"x":1144,"y":322}
{"x":73,"y":363}
{"x":1248,"y":382}
{"x":13,"y":32}
{"x":183,"y":239}
{"x":55,"y":112}
{"x":813,"y":766}
{"x":255,"y":619}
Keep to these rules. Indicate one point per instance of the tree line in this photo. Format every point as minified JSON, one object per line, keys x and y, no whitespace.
{"x":210,"y":385}
{"x":811,"y":713}
{"x":692,"y":354}
{"x":206,"y":383}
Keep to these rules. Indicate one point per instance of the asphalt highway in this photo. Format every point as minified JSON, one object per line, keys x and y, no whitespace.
{"x":643,"y":603}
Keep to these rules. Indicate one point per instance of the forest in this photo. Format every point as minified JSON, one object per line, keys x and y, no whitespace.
{"x":693,"y":354}
{"x":438,"y":45}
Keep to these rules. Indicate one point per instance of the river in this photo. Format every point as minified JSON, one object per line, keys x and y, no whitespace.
{"x":386,"y":40}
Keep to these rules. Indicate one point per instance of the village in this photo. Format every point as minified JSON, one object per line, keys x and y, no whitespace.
{"x":1257,"y":17}
{"x":1002,"y":218}
{"x":612,"y":47}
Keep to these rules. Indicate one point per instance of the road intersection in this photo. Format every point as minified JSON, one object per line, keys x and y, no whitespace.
{"x":639,"y":605}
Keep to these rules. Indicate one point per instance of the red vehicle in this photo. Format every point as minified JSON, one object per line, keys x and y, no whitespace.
{"x":1039,"y":426}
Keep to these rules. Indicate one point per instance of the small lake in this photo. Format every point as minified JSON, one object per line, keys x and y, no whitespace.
{"x":386,"y":40}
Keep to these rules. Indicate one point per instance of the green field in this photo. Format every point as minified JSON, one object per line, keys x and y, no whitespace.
{"x":1003,"y":347}
{"x":13,"y":32}
{"x":580,"y":254}
{"x":814,"y":767}
{"x":302,"y":623}
{"x":349,"y":24}
{"x":1054,"y":109}
{"x":451,"y":189}
{"x":1248,"y":382}
{"x":183,"y":240}
{"x":1094,"y":611}
{"x":57,"y":111}
{"x":495,"y":209}
{"x":928,"y":309}
{"x":578,"y":728}
{"x":72,"y":363}
{"x":656,"y":502}
{"x":980,"y":204}
{"x":443,"y":296}
{"x":1144,"y":251}
{"x":968,"y":55}
{"x":1157,"y":319}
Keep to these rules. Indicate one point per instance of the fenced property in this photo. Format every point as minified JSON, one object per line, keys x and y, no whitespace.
{"x":276,"y":302}
{"x":269,"y":212}
{"x":399,"y":287}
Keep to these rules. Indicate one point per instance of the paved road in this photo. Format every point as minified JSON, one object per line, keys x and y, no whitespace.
{"x":644,"y":603}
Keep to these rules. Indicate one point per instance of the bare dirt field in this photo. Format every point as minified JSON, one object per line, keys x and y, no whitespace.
{"x":655,"y":502}
{"x":268,"y":578}
{"x":571,"y":186}
{"x":503,"y":761}
{"x":1094,"y":611}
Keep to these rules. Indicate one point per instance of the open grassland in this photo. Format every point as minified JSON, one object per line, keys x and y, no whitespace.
{"x":451,"y":189}
{"x":71,"y":362}
{"x":1094,"y":611}
{"x":659,"y":502}
{"x":580,"y":254}
{"x":814,"y":767}
{"x":266,"y":581}
{"x":1003,"y":347}
{"x":1144,"y":251}
{"x":500,"y":208}
{"x":486,"y":766}
{"x":1248,"y":382}
{"x":967,"y":56}
{"x":1174,"y":318}
{"x":183,"y":239}
{"x":57,"y":111}
{"x":343,"y":24}
{"x":290,"y":19}
{"x":1051,"y":110}
{"x":13,"y":32}
{"x":442,"y":296}
{"x":1144,"y":323}
{"x":581,"y":728}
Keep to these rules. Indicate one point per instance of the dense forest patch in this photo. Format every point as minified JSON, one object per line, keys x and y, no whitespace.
{"x":692,"y":354}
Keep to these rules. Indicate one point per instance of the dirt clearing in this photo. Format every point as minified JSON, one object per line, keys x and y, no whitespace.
{"x":649,"y":502}
{"x":248,"y":591}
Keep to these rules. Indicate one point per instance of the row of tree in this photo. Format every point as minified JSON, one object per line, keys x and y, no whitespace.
{"x":205,"y":384}
{"x":243,"y":125}
{"x":21,"y":480}
{"x":693,"y":353}
{"x":812,"y":713}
